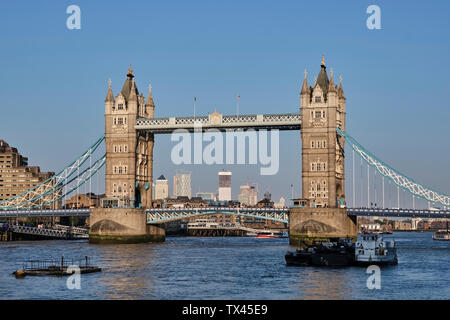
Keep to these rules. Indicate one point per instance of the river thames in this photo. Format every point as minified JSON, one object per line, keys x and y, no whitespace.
{"x":223,"y":268}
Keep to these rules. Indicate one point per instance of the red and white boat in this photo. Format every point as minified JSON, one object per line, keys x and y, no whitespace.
{"x":271,"y":234}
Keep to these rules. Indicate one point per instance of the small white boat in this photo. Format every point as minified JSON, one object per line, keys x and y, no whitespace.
{"x":372,"y":249}
{"x":442,"y":235}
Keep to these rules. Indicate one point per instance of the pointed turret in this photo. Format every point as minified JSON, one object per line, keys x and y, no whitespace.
{"x":331,"y":86}
{"x":150,"y":104}
{"x":150,"y":101}
{"x":305,"y":93}
{"x":340,"y":89}
{"x":126,"y":89}
{"x":109,"y":95}
{"x":305,"y":87}
{"x":133,"y":92}
{"x":322,"y":78}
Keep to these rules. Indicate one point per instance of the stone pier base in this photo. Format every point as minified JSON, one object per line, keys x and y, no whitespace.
{"x":320,"y":224}
{"x":122,"y":225}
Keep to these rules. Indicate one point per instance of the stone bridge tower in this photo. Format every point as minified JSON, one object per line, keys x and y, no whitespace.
{"x":129,"y":170}
{"x":129,"y":153}
{"x":323,"y":215}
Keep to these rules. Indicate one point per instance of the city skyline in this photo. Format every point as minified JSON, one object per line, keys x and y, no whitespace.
{"x":393,"y":85}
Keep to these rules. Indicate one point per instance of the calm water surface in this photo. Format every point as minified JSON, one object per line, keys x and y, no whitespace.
{"x":223,"y":268}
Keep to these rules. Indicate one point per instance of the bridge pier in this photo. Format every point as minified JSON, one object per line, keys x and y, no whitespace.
{"x":122,"y":225}
{"x":320,"y":224}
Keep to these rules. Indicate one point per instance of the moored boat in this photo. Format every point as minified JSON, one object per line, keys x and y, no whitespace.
{"x":441,"y":235}
{"x":372,"y":249}
{"x":330,"y":254}
{"x":271,"y":234}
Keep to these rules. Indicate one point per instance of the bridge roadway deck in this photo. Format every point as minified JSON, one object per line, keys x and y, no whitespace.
{"x":264,"y":212}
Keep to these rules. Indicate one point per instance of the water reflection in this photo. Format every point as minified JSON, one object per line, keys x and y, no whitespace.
{"x":324,"y":283}
{"x":128,"y":272}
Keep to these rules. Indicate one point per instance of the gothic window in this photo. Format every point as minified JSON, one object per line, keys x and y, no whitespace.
{"x":323,"y":114}
{"x":318,"y":114}
{"x":120,"y":169}
{"x":324,"y":143}
{"x":120,"y":189}
{"x":120,"y":148}
{"x":114,"y":121}
{"x":115,"y":148}
{"x":119,"y":121}
{"x":125,"y":148}
{"x":318,"y":99}
{"x":120,"y":106}
{"x":115,"y":170}
{"x":312,"y":144}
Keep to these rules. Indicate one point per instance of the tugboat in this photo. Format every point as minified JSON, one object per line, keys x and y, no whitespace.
{"x":331,"y":254}
{"x":372,"y":249}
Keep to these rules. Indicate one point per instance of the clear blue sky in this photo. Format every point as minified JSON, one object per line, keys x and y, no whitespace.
{"x":53,"y":80}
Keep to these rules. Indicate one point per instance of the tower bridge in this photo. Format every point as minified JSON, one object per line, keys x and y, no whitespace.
{"x":127,"y":213}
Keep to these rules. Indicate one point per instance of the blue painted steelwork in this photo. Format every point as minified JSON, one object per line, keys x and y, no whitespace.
{"x":53,"y":185}
{"x":46,"y":213}
{"x":399,"y":213}
{"x":399,"y":179}
{"x":97,"y":165}
{"x":155,"y":216}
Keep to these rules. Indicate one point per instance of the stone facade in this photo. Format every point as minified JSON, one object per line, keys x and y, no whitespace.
{"x":122,"y":225}
{"x":322,"y":110}
{"x":129,"y":153}
{"x":324,"y":216}
{"x":320,"y":224}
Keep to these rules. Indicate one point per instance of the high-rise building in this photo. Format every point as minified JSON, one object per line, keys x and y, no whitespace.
{"x":161,"y":188}
{"x":224,"y":186}
{"x":16,"y":176}
{"x":182,"y":185}
{"x":248,"y":195}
